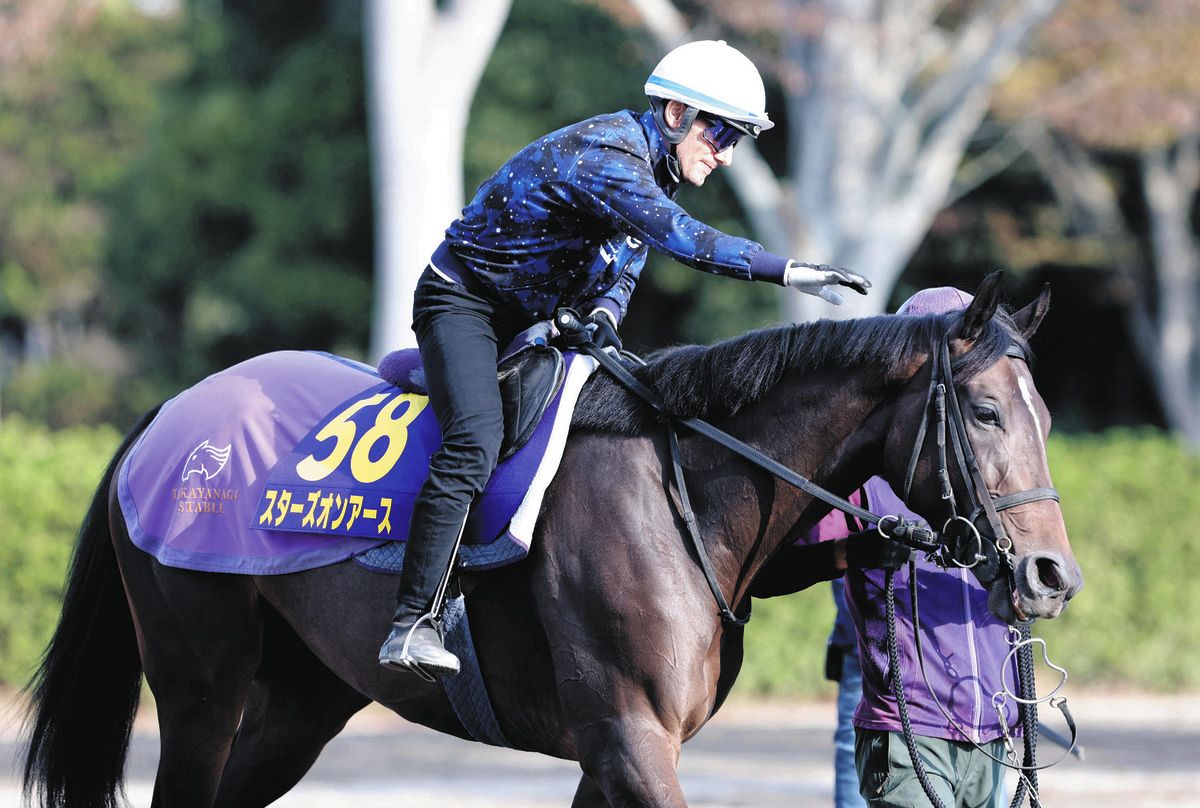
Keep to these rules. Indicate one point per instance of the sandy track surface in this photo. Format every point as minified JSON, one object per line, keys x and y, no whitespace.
{"x":1140,"y":751}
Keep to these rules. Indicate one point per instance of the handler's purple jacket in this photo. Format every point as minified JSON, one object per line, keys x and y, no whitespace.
{"x":963,"y":642}
{"x":568,"y":221}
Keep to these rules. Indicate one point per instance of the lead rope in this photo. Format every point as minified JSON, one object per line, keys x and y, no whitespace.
{"x":1027,"y":709}
{"x":1027,"y":704}
{"x":897,"y":682}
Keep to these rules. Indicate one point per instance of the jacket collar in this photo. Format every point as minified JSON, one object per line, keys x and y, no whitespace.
{"x":662,"y":159}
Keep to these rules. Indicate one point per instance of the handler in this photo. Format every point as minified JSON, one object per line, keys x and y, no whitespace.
{"x":568,"y":221}
{"x":965,"y":647}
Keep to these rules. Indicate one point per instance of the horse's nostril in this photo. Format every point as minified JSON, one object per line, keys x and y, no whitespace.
{"x":1050,"y":575}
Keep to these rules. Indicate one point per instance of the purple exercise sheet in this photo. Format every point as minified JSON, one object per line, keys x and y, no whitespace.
{"x":294,"y":460}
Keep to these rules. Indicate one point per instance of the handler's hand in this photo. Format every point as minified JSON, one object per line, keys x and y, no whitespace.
{"x":869,"y":550}
{"x":815,"y":279}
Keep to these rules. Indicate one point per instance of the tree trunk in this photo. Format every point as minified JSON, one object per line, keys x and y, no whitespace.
{"x":885,"y":101}
{"x":1162,"y":318}
{"x":424,"y":62}
{"x":1170,"y":178}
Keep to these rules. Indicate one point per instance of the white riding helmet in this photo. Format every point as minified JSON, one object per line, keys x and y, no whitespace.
{"x":709,"y":76}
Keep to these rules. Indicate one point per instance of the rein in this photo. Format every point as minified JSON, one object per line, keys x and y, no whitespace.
{"x":574,"y":330}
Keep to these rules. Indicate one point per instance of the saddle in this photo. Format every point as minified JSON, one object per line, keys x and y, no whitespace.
{"x":530,"y":373}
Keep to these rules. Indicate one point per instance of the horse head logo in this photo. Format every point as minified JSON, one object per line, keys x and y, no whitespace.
{"x":207,"y":460}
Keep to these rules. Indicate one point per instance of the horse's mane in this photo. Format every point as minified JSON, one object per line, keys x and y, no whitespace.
{"x":713,"y":382}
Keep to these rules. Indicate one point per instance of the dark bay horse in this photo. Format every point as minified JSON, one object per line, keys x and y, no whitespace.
{"x":603,"y":646}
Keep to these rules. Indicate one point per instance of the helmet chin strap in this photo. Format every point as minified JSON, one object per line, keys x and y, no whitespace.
{"x":673,"y":167}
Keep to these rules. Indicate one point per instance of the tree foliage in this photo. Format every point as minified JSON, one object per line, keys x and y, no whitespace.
{"x":76,"y":93}
{"x":1113,"y":74}
{"x":245,"y":225}
{"x":1115,"y":101}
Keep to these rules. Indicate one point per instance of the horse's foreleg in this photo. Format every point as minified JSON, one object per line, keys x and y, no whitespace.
{"x":295,"y":707}
{"x":630,"y":760}
{"x":589,"y":795}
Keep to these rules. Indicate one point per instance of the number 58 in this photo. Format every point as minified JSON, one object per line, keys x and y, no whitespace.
{"x":388,"y":427}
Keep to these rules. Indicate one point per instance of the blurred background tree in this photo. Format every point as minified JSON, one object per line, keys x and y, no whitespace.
{"x":184,"y":185}
{"x":880,"y":102}
{"x":244,"y":225}
{"x":1111,"y":97}
{"x":77,"y":94}
{"x":425,"y":59}
{"x":190,"y":188}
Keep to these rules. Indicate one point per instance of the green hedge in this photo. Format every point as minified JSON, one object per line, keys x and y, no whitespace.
{"x":46,"y":484}
{"x":1130,"y":500}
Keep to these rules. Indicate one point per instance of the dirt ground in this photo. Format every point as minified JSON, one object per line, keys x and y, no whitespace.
{"x":1140,"y":750}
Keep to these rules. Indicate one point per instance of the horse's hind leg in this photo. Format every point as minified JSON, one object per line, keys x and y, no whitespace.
{"x":200,"y":671}
{"x":296,"y":706}
{"x":200,"y":639}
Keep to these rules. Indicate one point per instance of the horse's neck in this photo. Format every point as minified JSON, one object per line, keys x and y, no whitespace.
{"x":815,"y":427}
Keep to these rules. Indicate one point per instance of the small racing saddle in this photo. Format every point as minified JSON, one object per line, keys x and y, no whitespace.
{"x":530,"y":373}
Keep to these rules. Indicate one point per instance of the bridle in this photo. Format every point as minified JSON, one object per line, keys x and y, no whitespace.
{"x":961,"y":543}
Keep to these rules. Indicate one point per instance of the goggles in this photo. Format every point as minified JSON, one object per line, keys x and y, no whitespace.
{"x":721,"y":134}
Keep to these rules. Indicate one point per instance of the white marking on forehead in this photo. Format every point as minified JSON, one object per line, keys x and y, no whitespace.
{"x":1037,"y":422}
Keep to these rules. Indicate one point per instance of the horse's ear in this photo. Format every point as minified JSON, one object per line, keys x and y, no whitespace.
{"x":1029,"y":318}
{"x":981,"y":310}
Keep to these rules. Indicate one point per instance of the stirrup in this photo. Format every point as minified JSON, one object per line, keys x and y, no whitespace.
{"x":406,"y":662}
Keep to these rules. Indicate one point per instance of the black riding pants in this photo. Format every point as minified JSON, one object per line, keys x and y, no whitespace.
{"x":460,"y":332}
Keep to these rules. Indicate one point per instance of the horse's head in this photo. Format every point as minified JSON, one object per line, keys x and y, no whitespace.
{"x":1020,"y":552}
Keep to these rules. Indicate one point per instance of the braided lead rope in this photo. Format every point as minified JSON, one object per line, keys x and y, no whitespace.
{"x":897,"y":682}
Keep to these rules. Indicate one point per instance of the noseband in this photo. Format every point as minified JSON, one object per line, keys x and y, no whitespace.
{"x":961,"y":541}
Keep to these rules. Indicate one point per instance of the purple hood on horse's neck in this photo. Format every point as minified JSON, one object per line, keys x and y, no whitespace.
{"x":936,"y":300}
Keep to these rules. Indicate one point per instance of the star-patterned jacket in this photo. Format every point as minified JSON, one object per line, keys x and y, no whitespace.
{"x":569,"y":220}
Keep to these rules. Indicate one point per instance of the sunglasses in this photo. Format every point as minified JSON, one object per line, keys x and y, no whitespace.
{"x":720,"y":134}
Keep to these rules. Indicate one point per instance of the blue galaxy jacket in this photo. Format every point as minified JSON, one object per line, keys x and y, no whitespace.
{"x":569,"y":220}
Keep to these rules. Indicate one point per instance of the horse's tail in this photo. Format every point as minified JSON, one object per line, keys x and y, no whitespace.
{"x":85,"y":692}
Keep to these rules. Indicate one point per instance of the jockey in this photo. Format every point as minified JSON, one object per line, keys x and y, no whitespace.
{"x":568,"y":221}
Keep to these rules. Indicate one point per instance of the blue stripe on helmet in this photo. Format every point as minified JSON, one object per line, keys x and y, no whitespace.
{"x":667,"y":84}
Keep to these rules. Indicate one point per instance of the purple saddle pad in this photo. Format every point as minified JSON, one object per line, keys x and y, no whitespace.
{"x":293,"y":460}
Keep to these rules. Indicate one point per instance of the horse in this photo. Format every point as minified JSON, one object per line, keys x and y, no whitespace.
{"x":604,"y":645}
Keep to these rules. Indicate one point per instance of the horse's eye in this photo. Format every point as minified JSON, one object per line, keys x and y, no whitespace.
{"x":987,"y":415}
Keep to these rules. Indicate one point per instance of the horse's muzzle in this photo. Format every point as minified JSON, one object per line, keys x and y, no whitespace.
{"x":1045,"y":581}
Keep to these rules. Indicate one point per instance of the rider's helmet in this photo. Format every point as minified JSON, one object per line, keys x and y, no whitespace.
{"x":708,"y":77}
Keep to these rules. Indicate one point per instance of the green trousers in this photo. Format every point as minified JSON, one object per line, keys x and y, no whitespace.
{"x":961,"y":775}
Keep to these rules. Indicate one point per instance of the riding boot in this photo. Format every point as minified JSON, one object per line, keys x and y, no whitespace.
{"x":416,"y":645}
